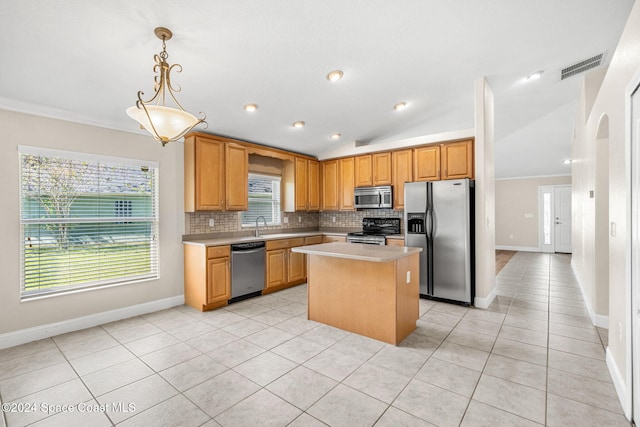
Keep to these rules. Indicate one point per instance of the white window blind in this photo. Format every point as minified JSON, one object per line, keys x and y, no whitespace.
{"x":264,"y":200}
{"x":86,"y":220}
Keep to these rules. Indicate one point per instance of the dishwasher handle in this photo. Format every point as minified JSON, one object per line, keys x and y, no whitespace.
{"x":251,"y":247}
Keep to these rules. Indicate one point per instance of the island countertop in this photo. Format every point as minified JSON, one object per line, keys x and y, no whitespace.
{"x":358,"y":251}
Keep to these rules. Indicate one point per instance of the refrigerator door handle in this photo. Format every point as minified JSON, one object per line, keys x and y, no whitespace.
{"x":429,"y":224}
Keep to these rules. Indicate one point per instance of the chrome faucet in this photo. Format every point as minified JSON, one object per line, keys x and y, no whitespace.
{"x":265,"y":225}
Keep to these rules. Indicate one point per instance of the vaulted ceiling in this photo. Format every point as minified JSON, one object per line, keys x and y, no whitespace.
{"x":86,"y":60}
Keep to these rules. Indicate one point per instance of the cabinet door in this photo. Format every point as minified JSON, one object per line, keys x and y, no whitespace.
{"x":402,"y":172}
{"x":381,"y":168}
{"x":276,"y":267}
{"x":330,"y":185}
{"x":237,"y":173}
{"x":426,"y":163}
{"x":218,"y":280}
{"x":346,"y":183}
{"x":296,"y":266}
{"x":209,"y":175}
{"x":457,"y":160}
{"x":313,"y":188}
{"x":363,"y":175}
{"x":301,"y":184}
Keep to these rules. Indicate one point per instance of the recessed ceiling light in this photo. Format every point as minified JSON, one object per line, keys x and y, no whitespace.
{"x":250,"y":107}
{"x":335,"y":136}
{"x":400,"y":106}
{"x":298,"y":124}
{"x":335,"y":75}
{"x":535,"y":76}
{"x":567,"y":162}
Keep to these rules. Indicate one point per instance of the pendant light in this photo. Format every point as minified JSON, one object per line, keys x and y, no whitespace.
{"x":165,"y":124}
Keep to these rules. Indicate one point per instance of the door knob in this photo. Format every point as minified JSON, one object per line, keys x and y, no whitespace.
{"x":558,"y":222}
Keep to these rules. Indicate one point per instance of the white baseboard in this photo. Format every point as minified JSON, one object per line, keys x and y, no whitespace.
{"x":23,"y":336}
{"x":485,"y":302}
{"x":518,"y":248}
{"x":599,"y":320}
{"x":619,"y":384}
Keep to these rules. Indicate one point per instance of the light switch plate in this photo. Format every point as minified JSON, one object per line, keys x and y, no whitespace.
{"x":211,"y":222}
{"x":285,"y":220}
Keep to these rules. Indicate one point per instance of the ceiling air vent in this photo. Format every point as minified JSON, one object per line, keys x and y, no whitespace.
{"x":582,"y":66}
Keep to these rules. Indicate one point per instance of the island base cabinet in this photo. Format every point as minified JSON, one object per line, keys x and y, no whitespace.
{"x":379,"y":300}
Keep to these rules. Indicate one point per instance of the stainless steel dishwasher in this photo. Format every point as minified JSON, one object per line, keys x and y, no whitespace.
{"x":247,"y":270}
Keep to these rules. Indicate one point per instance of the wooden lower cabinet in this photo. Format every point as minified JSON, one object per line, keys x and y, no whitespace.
{"x":207,"y":276}
{"x":395,"y":242}
{"x":284,"y":268}
{"x":329,"y":239}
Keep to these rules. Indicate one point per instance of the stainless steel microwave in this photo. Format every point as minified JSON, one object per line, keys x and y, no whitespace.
{"x":373,"y":197}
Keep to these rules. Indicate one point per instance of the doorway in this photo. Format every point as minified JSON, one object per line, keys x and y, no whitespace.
{"x":554,"y":218}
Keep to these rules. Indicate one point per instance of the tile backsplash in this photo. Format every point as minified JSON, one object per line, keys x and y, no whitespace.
{"x":229,"y":222}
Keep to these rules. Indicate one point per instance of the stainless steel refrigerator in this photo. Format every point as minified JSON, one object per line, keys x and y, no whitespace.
{"x":438,"y":217}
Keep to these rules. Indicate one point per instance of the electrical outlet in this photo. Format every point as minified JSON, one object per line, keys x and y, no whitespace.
{"x":408,"y":277}
{"x":211,"y":222}
{"x":299,"y":219}
{"x":285,"y":220}
{"x":613,"y":229}
{"x":333,"y":219}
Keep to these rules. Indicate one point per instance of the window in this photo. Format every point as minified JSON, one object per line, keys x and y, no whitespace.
{"x":71,"y":218}
{"x":264,"y":199}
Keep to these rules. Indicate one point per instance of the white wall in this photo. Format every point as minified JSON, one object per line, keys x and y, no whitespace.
{"x":23,"y":129}
{"x":517,"y":211}
{"x":610,"y":101}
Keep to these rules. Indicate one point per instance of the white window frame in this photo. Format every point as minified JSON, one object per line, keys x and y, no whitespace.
{"x":276,"y":210}
{"x":27,"y":219}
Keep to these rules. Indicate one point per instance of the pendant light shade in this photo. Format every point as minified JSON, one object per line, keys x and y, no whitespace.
{"x":165,"y":124}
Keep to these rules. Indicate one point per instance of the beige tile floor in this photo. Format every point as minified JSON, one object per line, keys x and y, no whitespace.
{"x":532,"y":359}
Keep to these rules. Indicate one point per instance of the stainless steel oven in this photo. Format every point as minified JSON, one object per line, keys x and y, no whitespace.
{"x":375,"y":230}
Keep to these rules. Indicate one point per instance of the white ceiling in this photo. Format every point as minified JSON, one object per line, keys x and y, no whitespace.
{"x":85,"y":61}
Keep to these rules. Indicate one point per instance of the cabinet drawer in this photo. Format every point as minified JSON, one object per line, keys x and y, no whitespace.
{"x":329,"y":239}
{"x":218,"y":251}
{"x":285,"y":243}
{"x":313,"y":240}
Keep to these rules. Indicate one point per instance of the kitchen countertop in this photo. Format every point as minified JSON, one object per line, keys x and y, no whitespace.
{"x":373,"y":253}
{"x":228,"y":240}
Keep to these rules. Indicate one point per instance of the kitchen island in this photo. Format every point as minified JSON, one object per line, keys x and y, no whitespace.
{"x":366,"y":289}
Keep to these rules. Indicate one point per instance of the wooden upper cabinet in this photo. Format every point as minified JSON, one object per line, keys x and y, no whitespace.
{"x":402,"y":172}
{"x":363,"y":171}
{"x":313,"y":187}
{"x":426,"y":163}
{"x":330,"y":185}
{"x":346,"y":183}
{"x":300,"y":183}
{"x":237,"y":177}
{"x":381,"y":168}
{"x":373,"y":169}
{"x":209,"y":175}
{"x":457,"y":160}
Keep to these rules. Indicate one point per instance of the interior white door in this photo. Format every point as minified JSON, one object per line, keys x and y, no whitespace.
{"x":562,"y":212}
